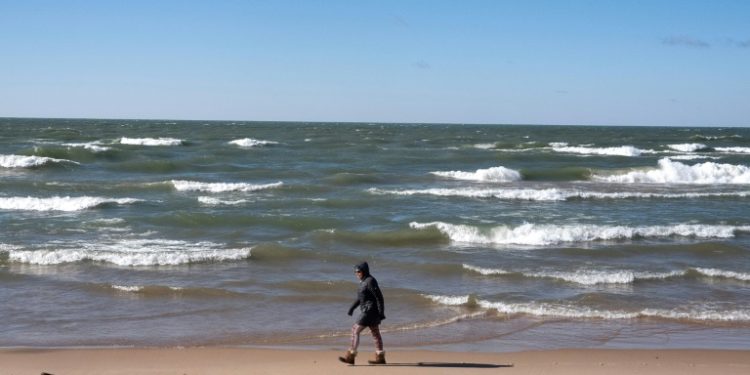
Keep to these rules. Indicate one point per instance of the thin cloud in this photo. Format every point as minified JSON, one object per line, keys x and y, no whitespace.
{"x":421,"y":64}
{"x":685,"y":41}
{"x":744,"y":44}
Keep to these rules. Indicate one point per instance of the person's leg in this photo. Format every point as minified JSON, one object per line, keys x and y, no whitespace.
{"x":356,"y":330}
{"x":378,"y":339}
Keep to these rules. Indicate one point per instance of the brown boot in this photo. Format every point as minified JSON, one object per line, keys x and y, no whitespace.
{"x":348,"y":357}
{"x":379,"y":359}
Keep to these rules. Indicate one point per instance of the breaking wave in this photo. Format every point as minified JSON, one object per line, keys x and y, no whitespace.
{"x":568,"y":310}
{"x":611,"y":151}
{"x":733,"y":150}
{"x":550,"y":194}
{"x":21,"y":161}
{"x":672,"y":172}
{"x":495,"y":174}
{"x":249,"y":142}
{"x":151,"y":141}
{"x":546,"y":234}
{"x":60,"y":203}
{"x":221,"y":187}
{"x":91,"y":146}
{"x":211,"y":201}
{"x":129,"y":252}
{"x":689,"y":147}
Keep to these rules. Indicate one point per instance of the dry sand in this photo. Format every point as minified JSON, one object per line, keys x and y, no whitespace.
{"x":220,"y":361}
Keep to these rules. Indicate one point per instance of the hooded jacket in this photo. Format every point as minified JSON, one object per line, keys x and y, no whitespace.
{"x":369,"y":299}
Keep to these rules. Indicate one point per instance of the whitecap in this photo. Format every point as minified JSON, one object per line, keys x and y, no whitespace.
{"x":21,"y":161}
{"x":249,"y":142}
{"x":448,"y":300}
{"x":151,"y":141}
{"x":59,"y":203}
{"x":485,"y":271}
{"x":608,"y":151}
{"x":211,"y":201}
{"x":713,"y":272}
{"x":733,"y":150}
{"x":494,"y":174}
{"x":129,"y":252}
{"x":126,"y":288}
{"x":547,"y":234}
{"x":220,"y":187}
{"x":688,"y":147}
{"x":672,"y":172}
{"x":91,"y":146}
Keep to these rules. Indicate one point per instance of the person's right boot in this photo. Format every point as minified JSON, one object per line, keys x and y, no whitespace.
{"x":378,"y":360}
{"x":348,"y":357}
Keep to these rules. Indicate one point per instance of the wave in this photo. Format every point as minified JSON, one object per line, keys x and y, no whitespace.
{"x":672,"y":172}
{"x":211,"y":201}
{"x":249,"y":142}
{"x":594,"y":277}
{"x":130,"y":252}
{"x":733,"y":150}
{"x":689,"y":147}
{"x":565,"y":310}
{"x":550,"y":194}
{"x":60,"y":203}
{"x":547,"y":234}
{"x":21,"y":161}
{"x":91,"y":146}
{"x":158,"y":291}
{"x":221,"y":187}
{"x":609,"y":151}
{"x":389,"y":238}
{"x":702,"y":137}
{"x":495,"y":174}
{"x":151,"y":141}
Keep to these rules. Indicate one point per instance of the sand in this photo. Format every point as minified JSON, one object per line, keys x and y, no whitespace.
{"x":221,"y":361}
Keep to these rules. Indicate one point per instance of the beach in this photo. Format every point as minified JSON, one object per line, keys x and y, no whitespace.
{"x":228,"y":361}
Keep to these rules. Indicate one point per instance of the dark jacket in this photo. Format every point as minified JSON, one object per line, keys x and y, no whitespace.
{"x":370,"y":302}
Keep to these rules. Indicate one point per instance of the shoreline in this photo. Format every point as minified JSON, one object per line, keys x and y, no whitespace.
{"x":233,"y":360}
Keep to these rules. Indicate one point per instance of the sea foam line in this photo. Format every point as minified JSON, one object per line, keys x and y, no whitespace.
{"x":250,"y":142}
{"x":584,"y":276}
{"x":547,"y":234}
{"x":550,"y":194}
{"x":494,"y":174}
{"x":59,"y":203}
{"x":630,"y":151}
{"x":151,"y":141}
{"x":21,"y":161}
{"x":672,"y":172}
{"x":129,"y":252}
{"x":220,"y":187}
{"x":546,"y":309}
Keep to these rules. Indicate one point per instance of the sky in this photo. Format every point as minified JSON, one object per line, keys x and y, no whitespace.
{"x":670,"y":63}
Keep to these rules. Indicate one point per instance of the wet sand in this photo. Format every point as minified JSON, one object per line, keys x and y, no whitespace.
{"x":225,"y":361}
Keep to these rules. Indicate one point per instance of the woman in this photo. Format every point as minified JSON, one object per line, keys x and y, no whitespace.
{"x":372,"y":312}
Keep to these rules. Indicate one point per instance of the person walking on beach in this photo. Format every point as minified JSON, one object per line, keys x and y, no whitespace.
{"x":372,"y":312}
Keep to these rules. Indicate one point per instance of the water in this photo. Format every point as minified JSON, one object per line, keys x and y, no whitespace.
{"x":120,"y":232}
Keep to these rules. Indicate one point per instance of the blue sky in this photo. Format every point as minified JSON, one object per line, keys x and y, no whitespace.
{"x":506,"y":62}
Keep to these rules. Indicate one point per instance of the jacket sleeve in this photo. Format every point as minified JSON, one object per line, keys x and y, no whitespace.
{"x":375,"y":289}
{"x":353,"y":306}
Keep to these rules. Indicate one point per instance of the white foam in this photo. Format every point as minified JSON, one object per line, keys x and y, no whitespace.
{"x":595,"y":277}
{"x":220,"y":187}
{"x":21,"y":161}
{"x":448,"y":300}
{"x":494,"y":174}
{"x":59,"y":203}
{"x":550,"y":194}
{"x":693,"y":157}
{"x":92,"y":146}
{"x":129,"y":252}
{"x":211,"y":201}
{"x":733,"y":150}
{"x":485,"y":271}
{"x":547,"y":234}
{"x":713,"y":272}
{"x":610,"y":151}
{"x":546,"y":309}
{"x":151,"y":141}
{"x":249,"y":142}
{"x":688,"y":147}
{"x":126,"y":288}
{"x":672,"y":172}
{"x":484,"y":146}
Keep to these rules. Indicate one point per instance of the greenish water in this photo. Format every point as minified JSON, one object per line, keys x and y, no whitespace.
{"x":124,"y":232}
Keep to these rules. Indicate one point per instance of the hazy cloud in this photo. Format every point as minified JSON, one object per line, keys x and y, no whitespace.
{"x":421,"y":64}
{"x":400,"y":21}
{"x":685,"y":41}
{"x":743,"y":43}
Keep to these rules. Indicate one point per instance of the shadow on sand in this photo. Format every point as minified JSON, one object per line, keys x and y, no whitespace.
{"x":445,"y":364}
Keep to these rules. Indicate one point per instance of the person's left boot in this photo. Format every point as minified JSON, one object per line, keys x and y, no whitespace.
{"x":379,"y":359}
